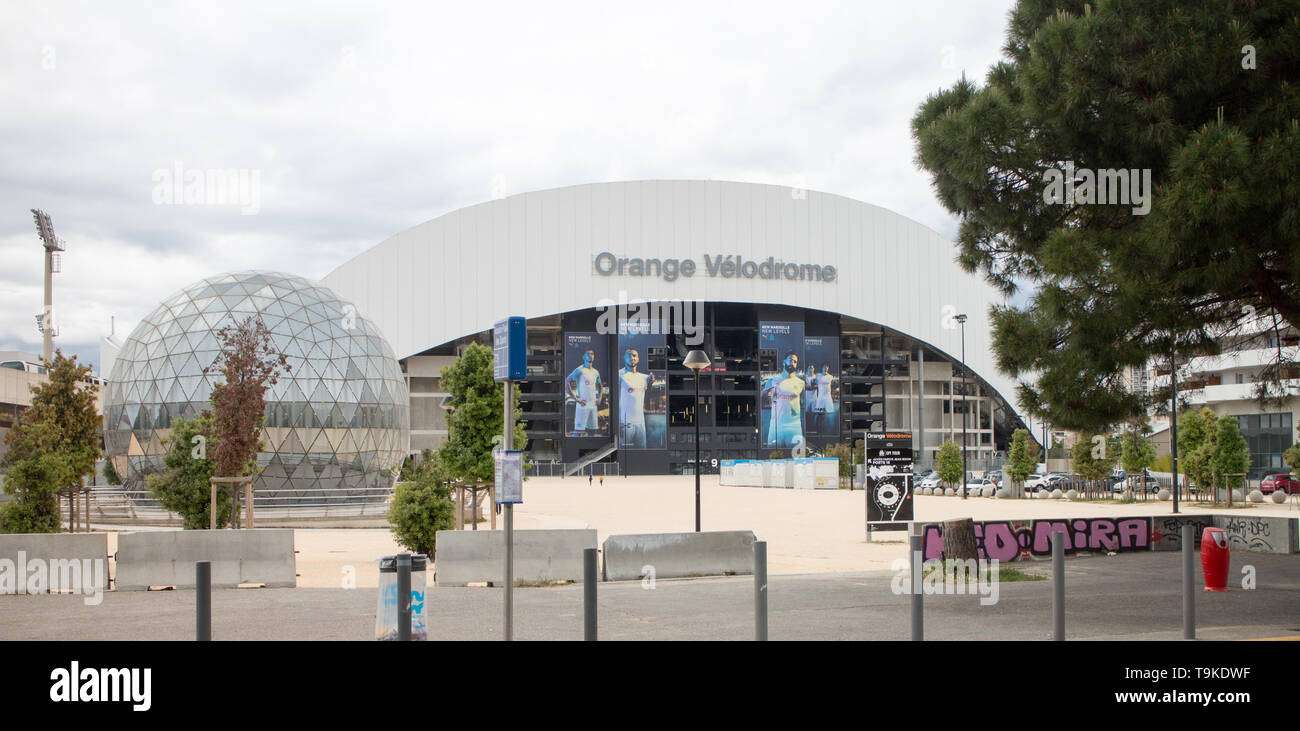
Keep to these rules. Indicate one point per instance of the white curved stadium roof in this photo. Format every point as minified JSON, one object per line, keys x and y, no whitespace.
{"x":535,"y":254}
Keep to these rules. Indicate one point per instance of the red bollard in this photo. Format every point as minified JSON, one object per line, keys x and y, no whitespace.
{"x":1214,"y":559}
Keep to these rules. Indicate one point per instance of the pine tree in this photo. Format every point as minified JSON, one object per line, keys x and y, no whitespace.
{"x":1200,"y":93}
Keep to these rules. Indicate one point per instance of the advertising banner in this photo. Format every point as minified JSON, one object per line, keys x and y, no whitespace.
{"x":780,"y":401}
{"x":821,"y":364}
{"x":586,"y":387}
{"x":642,"y":385}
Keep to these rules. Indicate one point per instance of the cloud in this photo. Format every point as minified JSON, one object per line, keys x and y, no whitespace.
{"x":362,"y":120}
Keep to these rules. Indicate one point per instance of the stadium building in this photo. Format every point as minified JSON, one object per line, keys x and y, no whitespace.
{"x":824,"y":318}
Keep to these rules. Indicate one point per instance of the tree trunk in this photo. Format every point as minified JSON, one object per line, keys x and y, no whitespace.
{"x":959,"y":539}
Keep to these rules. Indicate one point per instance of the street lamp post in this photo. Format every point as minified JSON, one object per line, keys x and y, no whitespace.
{"x":962,"y":319}
{"x":1173,"y":424}
{"x":696,"y":360}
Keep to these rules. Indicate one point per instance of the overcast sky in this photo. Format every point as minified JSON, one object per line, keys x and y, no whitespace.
{"x":362,"y":120}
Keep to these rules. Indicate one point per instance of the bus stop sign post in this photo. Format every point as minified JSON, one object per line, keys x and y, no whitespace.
{"x":509,"y":364}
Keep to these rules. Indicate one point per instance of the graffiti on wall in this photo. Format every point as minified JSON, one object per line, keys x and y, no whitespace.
{"x":1255,"y":534}
{"x":1009,"y":540}
{"x":1166,"y":531}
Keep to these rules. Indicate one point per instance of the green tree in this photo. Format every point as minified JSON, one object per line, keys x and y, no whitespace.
{"x":1292,"y":454}
{"x":1196,"y":439}
{"x":1164,"y":86}
{"x":421,"y":507}
{"x":474,"y":425}
{"x":1231,"y":454}
{"x":948,"y":463}
{"x":54,"y":446}
{"x":844,"y":453}
{"x":1193,"y":428}
{"x":1022,"y":458}
{"x":1136,"y":453}
{"x":1092,"y":458}
{"x":1163,"y":463}
{"x":183,"y":488}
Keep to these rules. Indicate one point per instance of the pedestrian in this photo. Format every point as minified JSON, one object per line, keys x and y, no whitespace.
{"x":588,"y":479}
{"x":602,"y":480}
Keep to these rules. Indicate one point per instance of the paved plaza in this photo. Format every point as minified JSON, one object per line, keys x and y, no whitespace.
{"x":1124,"y":597}
{"x":807,"y":531}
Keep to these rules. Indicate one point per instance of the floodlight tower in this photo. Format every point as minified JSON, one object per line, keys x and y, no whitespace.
{"x":53,"y":246}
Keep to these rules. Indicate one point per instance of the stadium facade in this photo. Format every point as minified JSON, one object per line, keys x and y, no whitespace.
{"x":824,"y":318}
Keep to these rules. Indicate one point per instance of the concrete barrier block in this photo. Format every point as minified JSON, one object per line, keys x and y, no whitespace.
{"x":674,"y":555}
{"x":1264,"y":534}
{"x":55,"y":549}
{"x":49,"y":546}
{"x":167,"y":558}
{"x":541,"y":556}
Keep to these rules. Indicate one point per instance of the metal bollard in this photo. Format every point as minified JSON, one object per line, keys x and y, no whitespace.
{"x":760,"y":591}
{"x":404,"y":597}
{"x":1189,"y":590}
{"x":589,"y":594}
{"x":1058,"y":586}
{"x":918,"y":613}
{"x":203,"y":601}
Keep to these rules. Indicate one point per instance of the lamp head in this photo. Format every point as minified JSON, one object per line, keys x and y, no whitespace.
{"x":696,"y":360}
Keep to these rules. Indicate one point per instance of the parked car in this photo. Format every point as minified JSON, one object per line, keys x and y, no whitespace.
{"x":1280,"y":481}
{"x":1034,"y":482}
{"x":931,"y":481}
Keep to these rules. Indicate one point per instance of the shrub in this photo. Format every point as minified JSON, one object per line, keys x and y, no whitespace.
{"x":420,"y":509}
{"x":184,"y":488}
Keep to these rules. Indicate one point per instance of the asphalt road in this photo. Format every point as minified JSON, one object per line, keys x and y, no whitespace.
{"x":1125,"y":597}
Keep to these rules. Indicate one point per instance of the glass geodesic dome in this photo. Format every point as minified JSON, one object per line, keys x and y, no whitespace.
{"x":336,"y":424}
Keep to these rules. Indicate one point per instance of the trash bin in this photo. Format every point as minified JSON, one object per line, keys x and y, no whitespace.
{"x":1214,"y":558}
{"x":386,"y":611}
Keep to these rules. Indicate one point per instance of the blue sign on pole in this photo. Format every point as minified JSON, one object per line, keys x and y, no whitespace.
{"x":510,"y":349}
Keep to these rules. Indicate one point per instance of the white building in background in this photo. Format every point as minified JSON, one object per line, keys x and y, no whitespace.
{"x":865,"y":296}
{"x":1227,"y":384}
